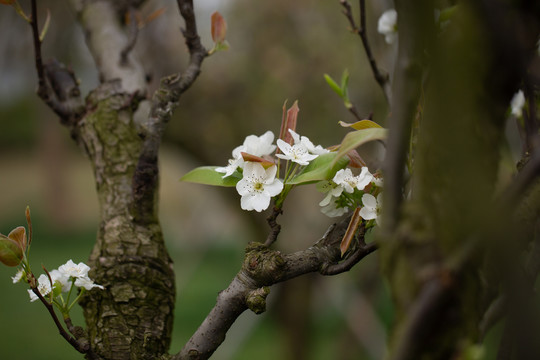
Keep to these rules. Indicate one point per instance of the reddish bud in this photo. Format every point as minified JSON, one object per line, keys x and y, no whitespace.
{"x":7,"y":2}
{"x":219,"y":28}
{"x":288,"y":121}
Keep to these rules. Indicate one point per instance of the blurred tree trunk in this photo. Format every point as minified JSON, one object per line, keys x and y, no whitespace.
{"x":454,"y":221}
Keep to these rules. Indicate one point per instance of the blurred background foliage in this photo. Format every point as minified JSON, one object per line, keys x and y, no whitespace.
{"x":279,"y":50}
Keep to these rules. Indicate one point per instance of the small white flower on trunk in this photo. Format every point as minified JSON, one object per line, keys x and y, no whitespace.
{"x":517,"y":103}
{"x":387,"y":26}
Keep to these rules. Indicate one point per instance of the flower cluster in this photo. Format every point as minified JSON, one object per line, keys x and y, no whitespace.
{"x":347,"y":191}
{"x":259,"y":168}
{"x":60,"y":280}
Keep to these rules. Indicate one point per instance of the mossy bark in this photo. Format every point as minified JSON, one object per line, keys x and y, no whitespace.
{"x":132,"y":318}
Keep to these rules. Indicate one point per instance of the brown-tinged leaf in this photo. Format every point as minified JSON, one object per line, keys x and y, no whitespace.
{"x":219,"y":28}
{"x":11,"y":253}
{"x":19,"y":235}
{"x":356,"y":160}
{"x":252,"y":158}
{"x":351,"y":230}
{"x":7,"y":2}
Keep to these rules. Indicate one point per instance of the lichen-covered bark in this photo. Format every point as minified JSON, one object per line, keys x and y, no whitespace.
{"x":132,"y":318}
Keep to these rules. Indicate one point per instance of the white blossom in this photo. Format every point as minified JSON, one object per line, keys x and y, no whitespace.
{"x":260,"y":145}
{"x":371,"y":207}
{"x":254,"y":145}
{"x":234,"y":163}
{"x":70,"y":269}
{"x":44,"y":287}
{"x":18,"y":276}
{"x":87,"y":283}
{"x":297,"y":153}
{"x":387,"y":26}
{"x":258,"y":186}
{"x":364,"y":178}
{"x":331,"y":210}
{"x":517,"y":103}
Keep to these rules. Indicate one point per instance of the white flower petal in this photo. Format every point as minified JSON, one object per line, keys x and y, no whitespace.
{"x":517,"y":103}
{"x":369,"y":201}
{"x":387,"y":25}
{"x":368,"y":213}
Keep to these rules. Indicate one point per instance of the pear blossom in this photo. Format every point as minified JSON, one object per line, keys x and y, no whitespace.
{"x":301,"y":152}
{"x":345,"y":178}
{"x":87,"y":283}
{"x":260,"y":145}
{"x":387,"y":26}
{"x":297,"y":153}
{"x":378,"y":181}
{"x":316,"y":150}
{"x":44,"y":287}
{"x":254,"y":145}
{"x":258,"y":186}
{"x":70,"y":269}
{"x":18,"y":276}
{"x":234,"y":163}
{"x":332,"y":210}
{"x":331,"y":189}
{"x":517,"y":103}
{"x":371,"y":207}
{"x":62,"y":279}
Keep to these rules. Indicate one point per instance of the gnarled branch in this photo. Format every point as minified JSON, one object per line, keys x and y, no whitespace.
{"x":262,"y":268}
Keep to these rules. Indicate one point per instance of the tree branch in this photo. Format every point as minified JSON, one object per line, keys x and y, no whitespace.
{"x":164,"y":102}
{"x":57,"y":85}
{"x":275,"y":228}
{"x":262,"y":268}
{"x":381,"y":76}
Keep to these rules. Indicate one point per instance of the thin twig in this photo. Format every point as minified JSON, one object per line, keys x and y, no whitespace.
{"x":349,"y":262}
{"x":83,"y":349}
{"x":275,"y":228}
{"x":42,"y":87}
{"x":164,"y":101}
{"x":381,"y":77}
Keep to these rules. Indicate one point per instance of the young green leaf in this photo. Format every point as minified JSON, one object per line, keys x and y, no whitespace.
{"x":333,"y":85}
{"x":356,"y":138}
{"x":324,"y":167}
{"x":208,"y":175}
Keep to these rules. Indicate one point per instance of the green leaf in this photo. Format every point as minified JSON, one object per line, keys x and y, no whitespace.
{"x":356,"y":138}
{"x":333,"y":85}
{"x":208,"y":175}
{"x":324,"y":167}
{"x":11,"y":253}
